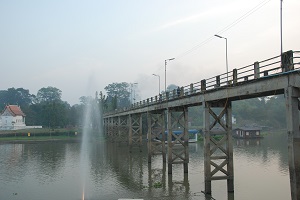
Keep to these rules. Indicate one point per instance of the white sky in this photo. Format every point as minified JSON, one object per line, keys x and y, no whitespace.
{"x":82,"y":46}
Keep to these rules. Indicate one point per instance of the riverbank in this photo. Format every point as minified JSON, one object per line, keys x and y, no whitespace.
{"x":43,"y":134}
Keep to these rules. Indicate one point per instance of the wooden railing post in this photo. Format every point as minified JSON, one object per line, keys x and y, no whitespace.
{"x":218,"y":81}
{"x":234,"y":76}
{"x":191,"y":88}
{"x":256,"y":70}
{"x":287,"y":63}
{"x":203,"y":85}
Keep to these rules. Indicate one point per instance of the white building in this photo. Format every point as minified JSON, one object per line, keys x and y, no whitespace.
{"x":12,"y":118}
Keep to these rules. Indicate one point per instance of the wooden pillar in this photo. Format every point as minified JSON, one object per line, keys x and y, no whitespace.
{"x":122,"y":124}
{"x":135,"y":131}
{"x":207,"y":167}
{"x":156,"y":135}
{"x":180,"y":155}
{"x":130,"y":132}
{"x":218,"y":152}
{"x":228,"y":118}
{"x":105,"y":126}
{"x":292,"y":95}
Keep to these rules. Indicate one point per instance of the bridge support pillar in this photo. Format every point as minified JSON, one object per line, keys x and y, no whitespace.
{"x":135,"y":131}
{"x":178,"y":144}
{"x":292,"y":95}
{"x":123,"y":128}
{"x":111,"y":126}
{"x":156,"y":134}
{"x":218,"y":147}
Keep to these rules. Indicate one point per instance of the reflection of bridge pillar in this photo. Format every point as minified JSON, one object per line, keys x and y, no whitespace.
{"x":156,"y":134}
{"x":105,"y":126}
{"x":123,"y":128}
{"x":178,"y":152}
{"x":292,"y":95}
{"x":109,"y":127}
{"x":218,"y":152}
{"x":112,"y":129}
{"x":135,"y":131}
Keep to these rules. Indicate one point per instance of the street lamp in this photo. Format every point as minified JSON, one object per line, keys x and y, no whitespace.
{"x":226,"y":54}
{"x":158,"y":82}
{"x":281,"y":50}
{"x":166,"y":74}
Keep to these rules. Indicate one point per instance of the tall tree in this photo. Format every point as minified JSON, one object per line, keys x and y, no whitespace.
{"x":48,"y":94}
{"x":119,"y":92}
{"x":18,"y":96}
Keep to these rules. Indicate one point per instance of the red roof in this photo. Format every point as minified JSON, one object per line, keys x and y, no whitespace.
{"x":15,"y":110}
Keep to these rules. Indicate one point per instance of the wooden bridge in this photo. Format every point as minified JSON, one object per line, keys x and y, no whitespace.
{"x":169,"y":112}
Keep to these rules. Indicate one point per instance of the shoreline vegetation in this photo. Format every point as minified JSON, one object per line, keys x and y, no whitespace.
{"x":41,"y":134}
{"x":64,"y":134}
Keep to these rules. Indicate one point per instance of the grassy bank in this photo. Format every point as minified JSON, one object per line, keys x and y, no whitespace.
{"x":39,"y":134}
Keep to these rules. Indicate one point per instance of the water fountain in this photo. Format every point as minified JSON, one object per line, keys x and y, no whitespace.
{"x":91,"y":124}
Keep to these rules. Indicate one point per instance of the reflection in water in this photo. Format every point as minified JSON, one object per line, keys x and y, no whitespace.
{"x":50,"y":170}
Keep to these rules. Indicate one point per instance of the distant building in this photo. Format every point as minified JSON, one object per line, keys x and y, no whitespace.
{"x":247,"y":132}
{"x":12,"y":118}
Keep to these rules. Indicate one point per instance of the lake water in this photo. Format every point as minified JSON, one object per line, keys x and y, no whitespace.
{"x":51,"y":170}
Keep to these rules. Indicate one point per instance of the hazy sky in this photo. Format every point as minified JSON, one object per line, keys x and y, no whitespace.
{"x":82,"y":46}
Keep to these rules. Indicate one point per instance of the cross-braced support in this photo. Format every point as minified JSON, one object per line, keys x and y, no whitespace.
{"x":123,"y":128}
{"x":112,"y":129}
{"x":178,"y":152}
{"x":218,"y":151}
{"x":135,"y":131}
{"x":292,"y":95}
{"x":156,"y":134}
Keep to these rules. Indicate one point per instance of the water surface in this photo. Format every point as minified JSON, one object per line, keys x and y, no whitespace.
{"x":52,"y":170}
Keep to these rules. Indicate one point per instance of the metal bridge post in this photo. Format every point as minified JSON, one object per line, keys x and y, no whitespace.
{"x":218,"y":151}
{"x":178,"y":144}
{"x":292,"y":95}
{"x":156,"y":134}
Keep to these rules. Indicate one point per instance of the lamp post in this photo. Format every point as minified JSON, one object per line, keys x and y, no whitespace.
{"x":166,"y":74}
{"x":281,"y":48}
{"x":167,"y":116}
{"x":226,"y":54}
{"x":158,"y":82}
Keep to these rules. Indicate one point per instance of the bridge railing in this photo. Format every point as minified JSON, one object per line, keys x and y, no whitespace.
{"x":270,"y":67}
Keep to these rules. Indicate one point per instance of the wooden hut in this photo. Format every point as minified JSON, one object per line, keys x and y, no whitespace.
{"x":247,"y":132}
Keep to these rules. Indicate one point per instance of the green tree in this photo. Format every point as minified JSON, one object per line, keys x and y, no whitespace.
{"x":48,"y":94}
{"x":51,"y":111}
{"x":117,"y":95}
{"x":18,"y":96}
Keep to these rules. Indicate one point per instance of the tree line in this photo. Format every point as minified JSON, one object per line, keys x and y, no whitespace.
{"x":47,"y":109}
